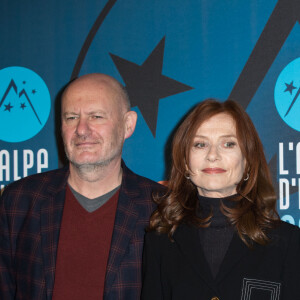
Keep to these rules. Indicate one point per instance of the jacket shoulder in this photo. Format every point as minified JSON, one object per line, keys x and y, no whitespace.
{"x":35,"y":186}
{"x":138,"y":181}
{"x":286,"y":228}
{"x":286,"y":234}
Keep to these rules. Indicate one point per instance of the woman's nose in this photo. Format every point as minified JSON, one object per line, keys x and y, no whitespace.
{"x":213,"y":153}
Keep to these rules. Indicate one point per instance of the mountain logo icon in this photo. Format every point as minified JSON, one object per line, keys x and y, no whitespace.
{"x":25,"y":104}
{"x":287,"y":94}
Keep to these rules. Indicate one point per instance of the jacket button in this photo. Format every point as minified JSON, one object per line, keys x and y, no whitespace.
{"x":215,"y":298}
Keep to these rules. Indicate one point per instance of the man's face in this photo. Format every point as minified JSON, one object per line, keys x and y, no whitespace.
{"x":93,"y":127}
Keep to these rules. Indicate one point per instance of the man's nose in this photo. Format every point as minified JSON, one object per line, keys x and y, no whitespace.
{"x":82,"y":127}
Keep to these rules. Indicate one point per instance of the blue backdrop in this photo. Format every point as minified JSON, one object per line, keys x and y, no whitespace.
{"x":171,"y":55}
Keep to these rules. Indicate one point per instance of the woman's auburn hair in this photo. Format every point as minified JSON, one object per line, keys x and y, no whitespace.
{"x":255,"y":209}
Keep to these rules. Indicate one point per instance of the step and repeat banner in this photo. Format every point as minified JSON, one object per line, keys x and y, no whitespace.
{"x":170,"y":54}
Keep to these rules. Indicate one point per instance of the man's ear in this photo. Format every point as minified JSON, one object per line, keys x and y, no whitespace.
{"x":130,"y":119}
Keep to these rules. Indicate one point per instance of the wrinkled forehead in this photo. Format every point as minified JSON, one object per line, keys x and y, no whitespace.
{"x":222,"y":123}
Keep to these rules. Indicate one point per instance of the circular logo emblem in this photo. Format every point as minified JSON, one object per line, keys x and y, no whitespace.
{"x":287,"y":94}
{"x":25,"y":104}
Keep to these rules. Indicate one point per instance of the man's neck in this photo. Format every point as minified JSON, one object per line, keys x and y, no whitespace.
{"x":96,"y":181}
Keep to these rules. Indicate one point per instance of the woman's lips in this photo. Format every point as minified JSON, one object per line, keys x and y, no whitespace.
{"x":213,"y":170}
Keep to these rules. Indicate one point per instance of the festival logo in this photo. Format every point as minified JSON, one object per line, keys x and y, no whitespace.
{"x":287,"y":94}
{"x":24,"y":104}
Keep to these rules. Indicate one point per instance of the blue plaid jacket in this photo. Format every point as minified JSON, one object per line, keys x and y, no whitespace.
{"x":30,"y":217}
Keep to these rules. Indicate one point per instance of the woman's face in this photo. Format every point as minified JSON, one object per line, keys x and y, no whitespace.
{"x":216,"y":161}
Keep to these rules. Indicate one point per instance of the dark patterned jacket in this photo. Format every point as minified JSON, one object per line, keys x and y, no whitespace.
{"x":30,"y":217}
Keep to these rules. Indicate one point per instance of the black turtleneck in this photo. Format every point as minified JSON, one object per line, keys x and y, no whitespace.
{"x":216,"y":238}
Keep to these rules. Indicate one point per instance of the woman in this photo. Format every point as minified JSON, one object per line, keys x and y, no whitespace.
{"x":216,"y":233}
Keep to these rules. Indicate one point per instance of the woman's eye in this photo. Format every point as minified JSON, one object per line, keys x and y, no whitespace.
{"x":200,"y":145}
{"x":229,"y":144}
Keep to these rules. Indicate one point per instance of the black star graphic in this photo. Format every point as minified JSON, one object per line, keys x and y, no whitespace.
{"x":290,"y":87}
{"x":33,"y":91}
{"x":8,"y":107}
{"x":146,"y":85}
{"x":23,"y":105}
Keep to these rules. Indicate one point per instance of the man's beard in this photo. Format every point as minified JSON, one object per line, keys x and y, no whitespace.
{"x":90,"y":167}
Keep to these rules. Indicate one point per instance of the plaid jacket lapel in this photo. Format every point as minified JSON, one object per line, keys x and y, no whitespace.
{"x":51,"y":214}
{"x":126,"y":217}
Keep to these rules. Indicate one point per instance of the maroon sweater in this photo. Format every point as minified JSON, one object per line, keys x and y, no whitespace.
{"x":83,"y":250}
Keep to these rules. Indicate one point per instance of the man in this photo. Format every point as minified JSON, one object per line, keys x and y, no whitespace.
{"x":77,"y":232}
